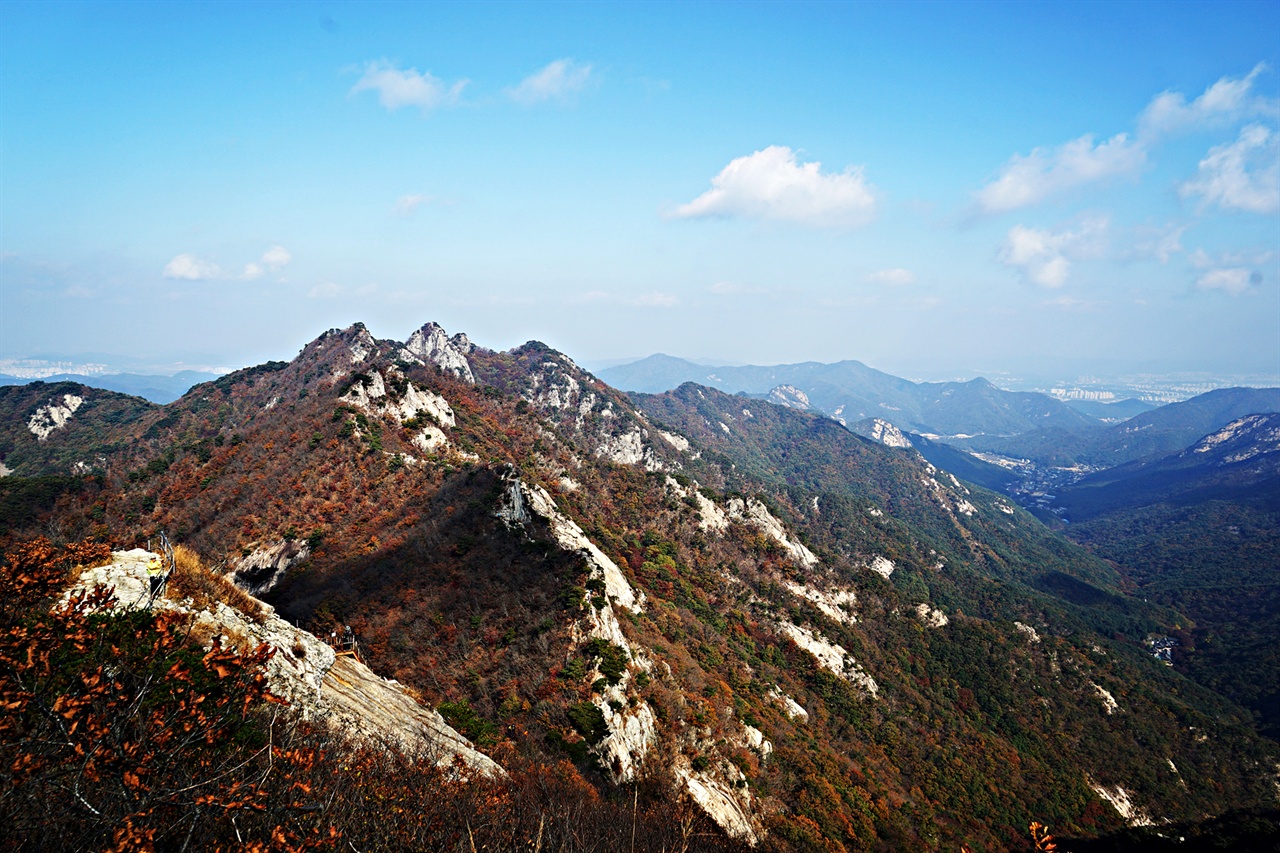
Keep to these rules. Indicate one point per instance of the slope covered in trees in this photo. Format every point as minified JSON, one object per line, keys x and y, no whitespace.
{"x":1200,"y":531}
{"x":829,"y":642}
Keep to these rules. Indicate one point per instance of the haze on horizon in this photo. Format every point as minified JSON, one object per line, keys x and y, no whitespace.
{"x":926,"y":188}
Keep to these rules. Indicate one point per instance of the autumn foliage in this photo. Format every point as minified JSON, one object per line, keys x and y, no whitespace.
{"x":118,"y":733}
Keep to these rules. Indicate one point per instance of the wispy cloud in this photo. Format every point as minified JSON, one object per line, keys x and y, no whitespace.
{"x":652,"y":299}
{"x":1231,"y":273}
{"x":407,"y":87}
{"x":772,"y":184}
{"x":273,"y":260}
{"x":896,"y":277}
{"x":1066,"y":303}
{"x":325,"y":290}
{"x":1045,"y":257}
{"x":1226,"y":100}
{"x":1230,"y":280}
{"x":558,"y":81}
{"x":407,"y":204}
{"x":1159,"y":243}
{"x":1027,"y":180}
{"x":655,"y":299}
{"x":1241,"y":175}
{"x":188,"y":267}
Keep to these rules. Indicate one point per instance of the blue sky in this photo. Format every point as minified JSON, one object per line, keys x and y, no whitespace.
{"x":928,"y":188}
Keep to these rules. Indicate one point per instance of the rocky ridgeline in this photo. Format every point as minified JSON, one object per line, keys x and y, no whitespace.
{"x":719,"y":789}
{"x":335,"y":689}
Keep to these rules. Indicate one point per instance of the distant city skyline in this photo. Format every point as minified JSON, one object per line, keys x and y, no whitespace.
{"x":926,"y":188}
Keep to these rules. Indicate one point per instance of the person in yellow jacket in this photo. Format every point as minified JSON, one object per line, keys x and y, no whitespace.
{"x":155,"y":573}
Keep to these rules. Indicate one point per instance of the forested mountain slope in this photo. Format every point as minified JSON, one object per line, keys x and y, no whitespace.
{"x":1200,"y":531}
{"x":821,"y":641}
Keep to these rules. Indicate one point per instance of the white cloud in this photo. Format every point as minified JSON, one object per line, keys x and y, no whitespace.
{"x":1225,"y":100}
{"x":893,"y":276}
{"x":1045,"y":257}
{"x":1241,"y":175}
{"x":188,"y":267}
{"x":276,"y":258}
{"x":1232,"y":280}
{"x":771,"y":184}
{"x":1161,"y":244}
{"x":398,"y":88}
{"x":273,"y":260}
{"x":1028,"y":179}
{"x":1047,"y":171}
{"x":559,"y":80}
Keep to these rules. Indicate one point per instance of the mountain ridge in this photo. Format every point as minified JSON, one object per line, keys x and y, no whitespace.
{"x":763,"y":559}
{"x":851,"y":391}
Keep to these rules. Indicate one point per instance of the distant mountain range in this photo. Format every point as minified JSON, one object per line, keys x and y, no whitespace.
{"x":1168,"y":429}
{"x":850,"y":391}
{"x":156,"y":388}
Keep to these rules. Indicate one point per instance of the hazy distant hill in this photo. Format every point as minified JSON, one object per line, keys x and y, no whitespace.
{"x":1240,"y":462}
{"x":850,"y":391}
{"x":1120,"y":410}
{"x":157,"y":389}
{"x":1158,"y":432}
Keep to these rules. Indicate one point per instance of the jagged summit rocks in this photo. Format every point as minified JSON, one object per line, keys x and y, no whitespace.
{"x":432,"y":345}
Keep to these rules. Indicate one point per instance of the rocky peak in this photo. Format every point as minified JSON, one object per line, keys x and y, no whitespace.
{"x":791,"y":397}
{"x":343,"y":350}
{"x":432,"y":345}
{"x":54,"y":415}
{"x":878,"y":429}
{"x":1244,"y":438}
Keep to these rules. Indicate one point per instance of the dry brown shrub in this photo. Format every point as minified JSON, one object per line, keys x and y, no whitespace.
{"x":191,"y":579}
{"x":204,"y":632}
{"x":84,"y":556}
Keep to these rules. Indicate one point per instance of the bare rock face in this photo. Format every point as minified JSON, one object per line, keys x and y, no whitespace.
{"x":830,"y":656}
{"x":364,"y":706}
{"x":632,"y":723}
{"x":260,"y":571}
{"x":791,"y":397}
{"x":878,"y":429}
{"x":753,"y":512}
{"x":53,"y":416}
{"x":335,"y":689}
{"x":431,"y":345}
